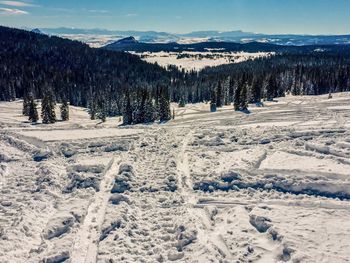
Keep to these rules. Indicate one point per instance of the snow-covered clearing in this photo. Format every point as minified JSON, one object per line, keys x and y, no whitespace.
{"x":269,"y":186}
{"x":199,"y":60}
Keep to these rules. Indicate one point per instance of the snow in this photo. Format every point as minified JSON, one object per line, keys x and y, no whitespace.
{"x":60,"y":135}
{"x":269,"y":186}
{"x":190,"y":60}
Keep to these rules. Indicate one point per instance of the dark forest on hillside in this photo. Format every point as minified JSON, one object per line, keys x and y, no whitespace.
{"x":113,"y":83}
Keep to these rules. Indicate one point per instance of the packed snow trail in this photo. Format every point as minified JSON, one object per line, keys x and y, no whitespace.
{"x":85,"y":248}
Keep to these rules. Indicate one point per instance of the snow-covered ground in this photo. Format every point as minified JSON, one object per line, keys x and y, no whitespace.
{"x":269,"y":186}
{"x":199,"y":60}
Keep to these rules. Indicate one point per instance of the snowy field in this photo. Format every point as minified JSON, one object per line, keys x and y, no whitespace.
{"x":199,"y":60}
{"x":269,"y":186}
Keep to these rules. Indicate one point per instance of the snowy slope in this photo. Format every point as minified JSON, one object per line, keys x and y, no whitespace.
{"x":270,"y":186}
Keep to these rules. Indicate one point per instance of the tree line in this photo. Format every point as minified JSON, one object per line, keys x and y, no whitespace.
{"x":109,"y":83}
{"x":33,"y":65}
{"x":252,"y":81}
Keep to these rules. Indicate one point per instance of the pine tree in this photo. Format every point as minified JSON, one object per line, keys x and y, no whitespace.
{"x":237,"y":97}
{"x":219,"y":95}
{"x":255,"y":92}
{"x":213,"y":101}
{"x":33,"y":112}
{"x":182,"y":103}
{"x":128,"y":111}
{"x":243,"y":106}
{"x":227,"y":91}
{"x":101,"y":111}
{"x":150,"y":115}
{"x":48,"y":108}
{"x":64,"y":110}
{"x":139,"y":111}
{"x":92,"y":108}
{"x":26,"y":105}
{"x":164,"y":106}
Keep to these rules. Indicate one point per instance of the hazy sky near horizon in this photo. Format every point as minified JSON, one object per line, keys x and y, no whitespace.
{"x":180,"y":16}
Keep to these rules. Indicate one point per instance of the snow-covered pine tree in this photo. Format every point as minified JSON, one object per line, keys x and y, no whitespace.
{"x":64,"y":110}
{"x":33,"y":112}
{"x":48,"y":108}
{"x":213,"y":100}
{"x":164,"y":105}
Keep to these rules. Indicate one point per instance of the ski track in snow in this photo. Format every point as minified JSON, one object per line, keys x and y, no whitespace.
{"x":270,"y":186}
{"x":86,"y":243}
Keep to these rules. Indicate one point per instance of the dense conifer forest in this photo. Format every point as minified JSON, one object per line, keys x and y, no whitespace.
{"x":109,"y":83}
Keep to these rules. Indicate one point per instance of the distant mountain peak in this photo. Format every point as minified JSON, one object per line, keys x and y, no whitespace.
{"x":37,"y":30}
{"x":127,"y":41}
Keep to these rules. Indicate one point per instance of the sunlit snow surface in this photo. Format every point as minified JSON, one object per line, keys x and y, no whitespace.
{"x":189,"y":60}
{"x":269,"y":186}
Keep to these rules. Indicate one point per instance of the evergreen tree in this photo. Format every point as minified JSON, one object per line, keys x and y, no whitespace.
{"x":92,"y":108}
{"x":226,"y":89}
{"x":270,"y":88}
{"x":48,"y":108}
{"x":219,"y":95}
{"x":33,"y":112}
{"x":182,"y":103}
{"x":164,"y":106}
{"x":101,"y":111}
{"x":139,"y":111}
{"x":255,"y":92}
{"x":243,"y":105}
{"x":128,"y":111}
{"x":213,"y":101}
{"x":237,"y":97}
{"x":150,"y":114}
{"x":26,"y":105}
{"x":64,"y":110}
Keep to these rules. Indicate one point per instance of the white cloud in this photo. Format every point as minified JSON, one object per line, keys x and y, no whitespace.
{"x":130,"y":15}
{"x":11,"y":11}
{"x":98,"y":11}
{"x":16,"y":3}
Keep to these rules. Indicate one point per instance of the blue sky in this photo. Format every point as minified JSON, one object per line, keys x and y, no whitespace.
{"x":180,"y":16}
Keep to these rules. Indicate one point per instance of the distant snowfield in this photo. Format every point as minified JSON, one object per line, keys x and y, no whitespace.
{"x":199,"y":60}
{"x":269,"y":186}
{"x":95,"y":41}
